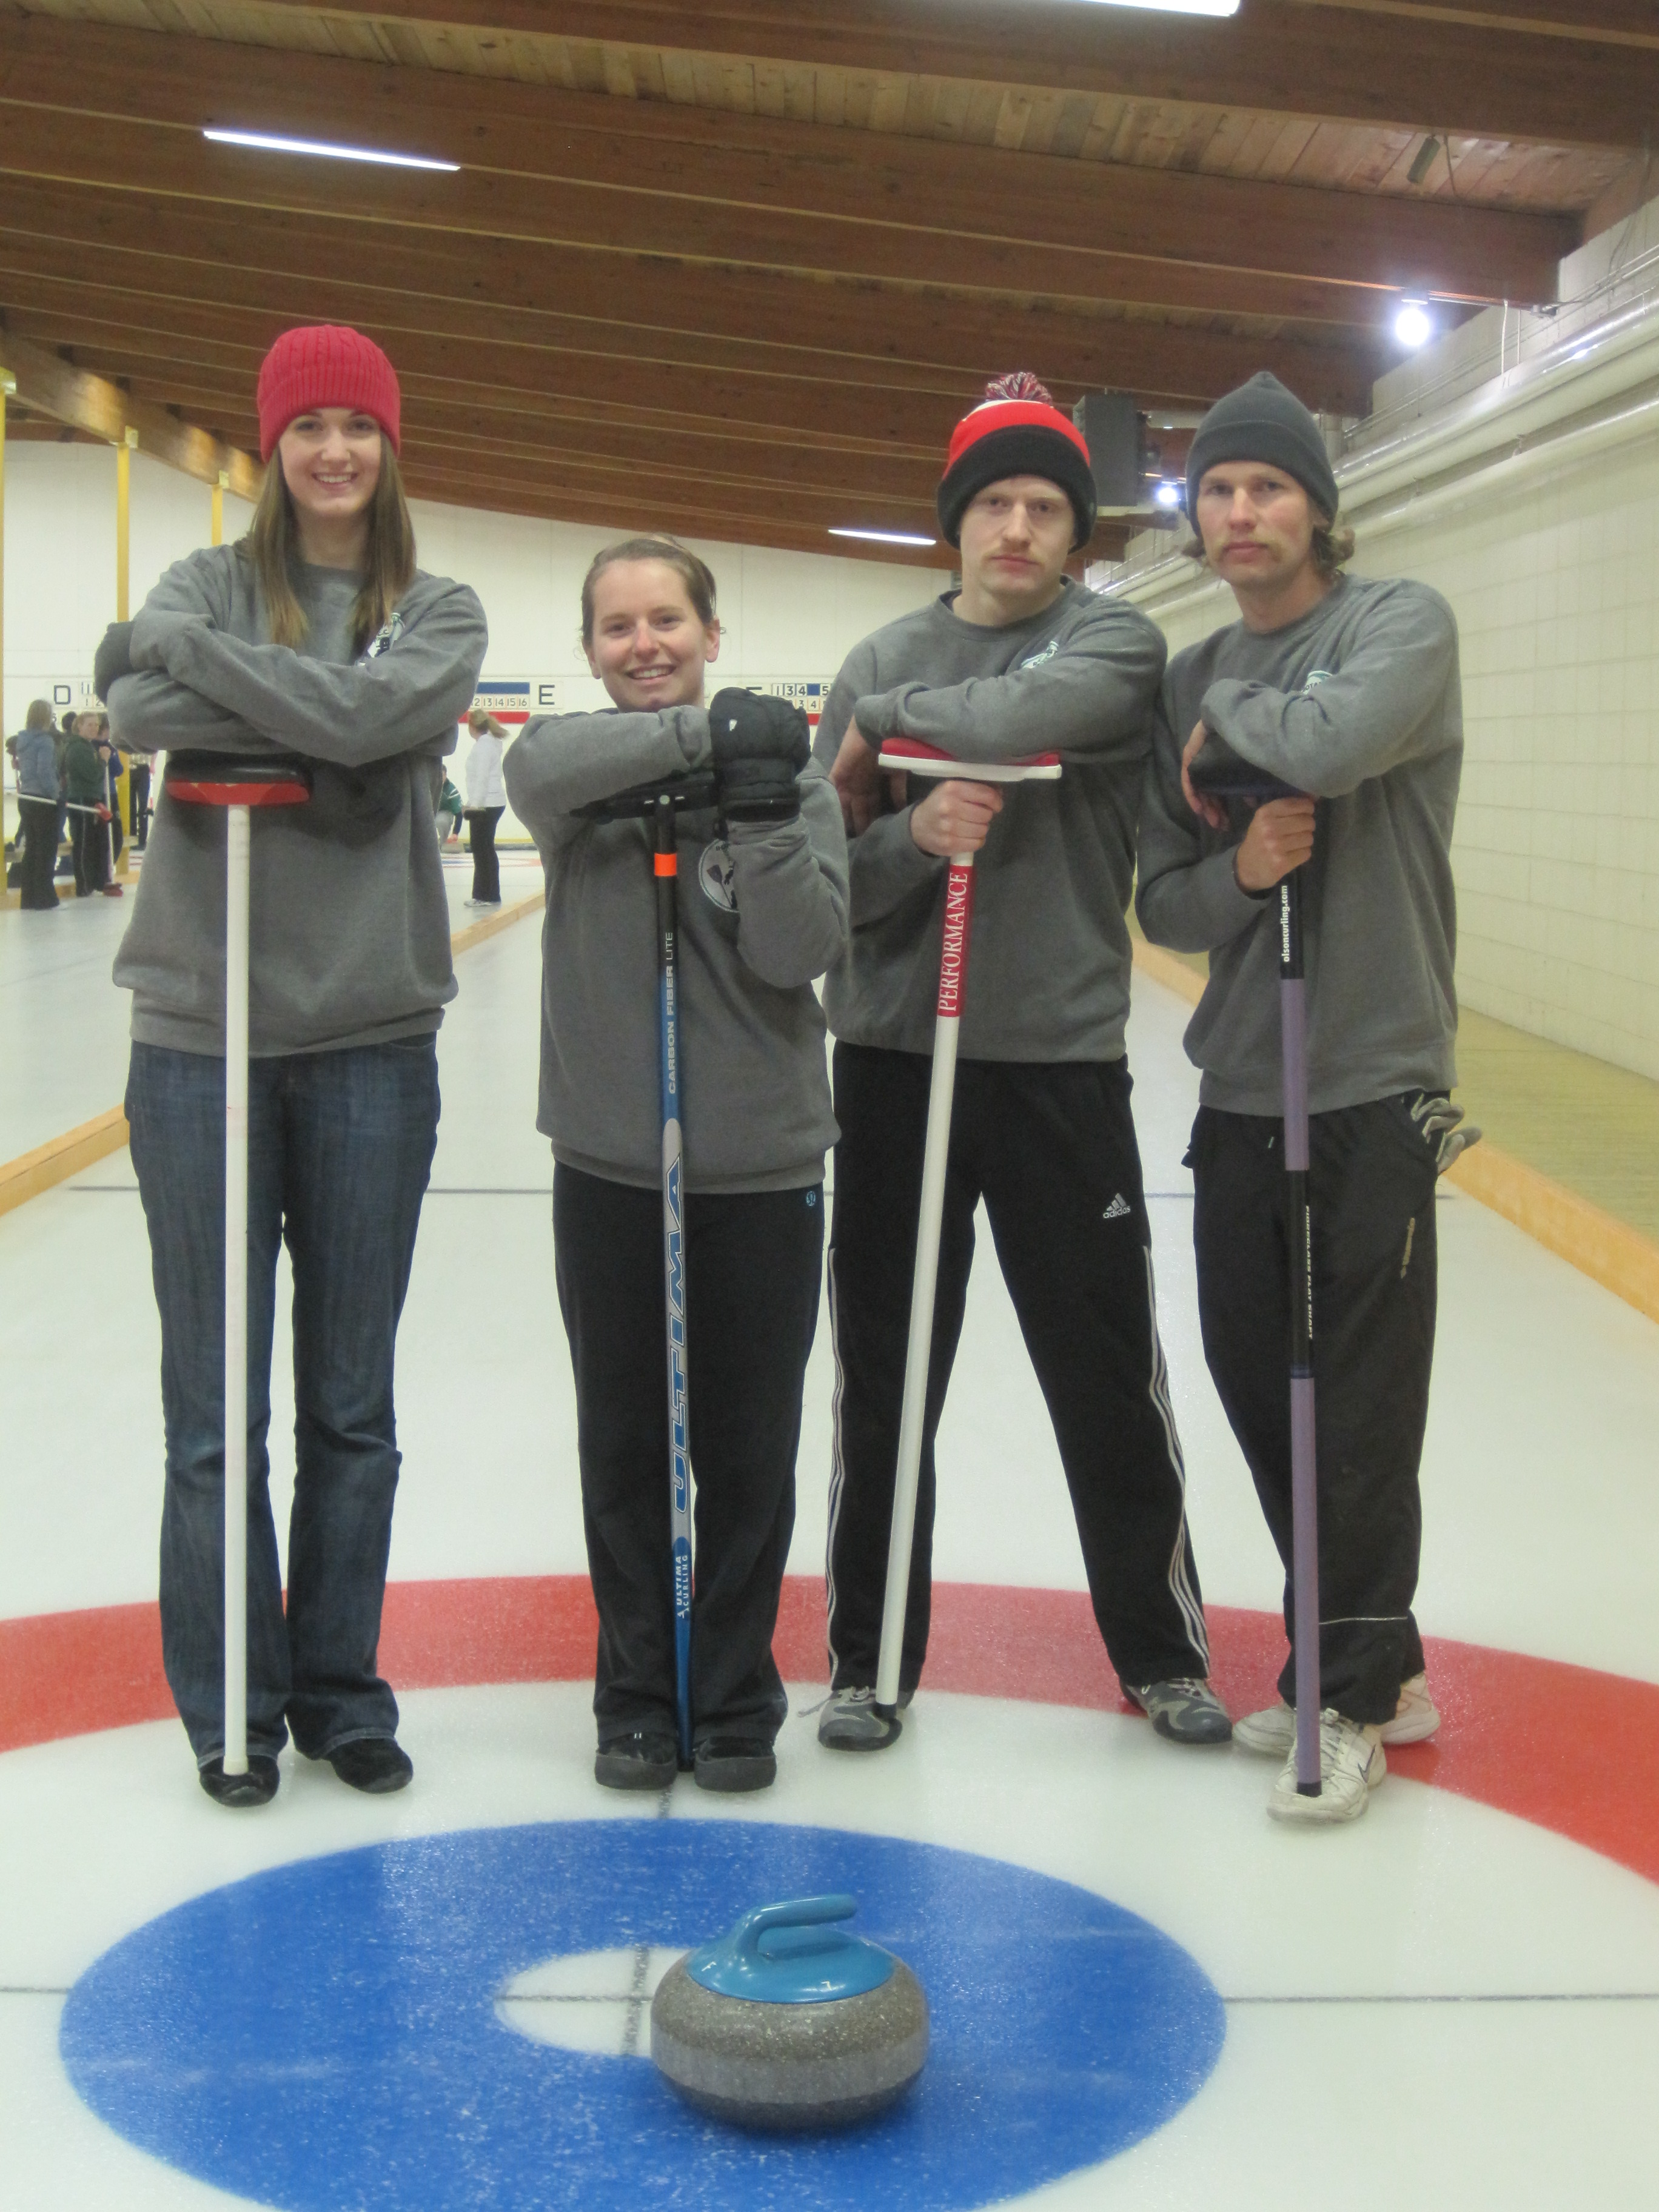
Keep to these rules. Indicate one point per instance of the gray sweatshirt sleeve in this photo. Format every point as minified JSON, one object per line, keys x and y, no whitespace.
{"x":885,"y":865}
{"x":790,"y":879}
{"x":346,"y":712}
{"x":151,"y":711}
{"x":1381,"y":708}
{"x":1087,"y":699}
{"x":1187,"y":895}
{"x":559,"y":762}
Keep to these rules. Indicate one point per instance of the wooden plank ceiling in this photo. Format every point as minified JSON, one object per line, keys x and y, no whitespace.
{"x":736,"y":269}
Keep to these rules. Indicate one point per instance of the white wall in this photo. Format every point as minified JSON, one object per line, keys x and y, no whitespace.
{"x":789,"y":618}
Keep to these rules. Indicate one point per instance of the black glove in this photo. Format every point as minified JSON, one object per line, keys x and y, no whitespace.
{"x":113,"y":657}
{"x":761,"y":745}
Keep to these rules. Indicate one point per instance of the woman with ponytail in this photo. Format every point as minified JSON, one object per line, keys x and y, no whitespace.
{"x":315,"y":636}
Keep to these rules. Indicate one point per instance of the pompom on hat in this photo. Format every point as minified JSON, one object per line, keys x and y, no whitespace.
{"x":1017,"y":430}
{"x":325,"y":365}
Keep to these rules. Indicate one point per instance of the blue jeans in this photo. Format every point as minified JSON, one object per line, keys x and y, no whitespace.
{"x":340,"y":1147}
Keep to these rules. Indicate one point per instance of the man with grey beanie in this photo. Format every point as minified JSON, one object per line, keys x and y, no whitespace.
{"x":1347,"y":690}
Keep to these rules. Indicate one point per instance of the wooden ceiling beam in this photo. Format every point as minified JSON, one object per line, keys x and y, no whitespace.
{"x":934,"y":343}
{"x":654,"y":174}
{"x":1479,"y":82}
{"x":161,"y":161}
{"x":1600,"y":22}
{"x":89,"y":403}
{"x":1174,"y":363}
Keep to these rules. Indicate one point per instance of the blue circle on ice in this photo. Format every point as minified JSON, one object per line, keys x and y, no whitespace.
{"x":324,"y":2035}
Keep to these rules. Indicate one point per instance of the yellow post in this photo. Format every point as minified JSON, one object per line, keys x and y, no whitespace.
{"x":219,"y":490}
{"x":123,"y":520}
{"x":7,"y":385}
{"x":123,"y":453}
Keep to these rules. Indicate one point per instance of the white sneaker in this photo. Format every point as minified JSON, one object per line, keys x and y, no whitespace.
{"x":1272,"y":1732}
{"x":1351,"y":1765}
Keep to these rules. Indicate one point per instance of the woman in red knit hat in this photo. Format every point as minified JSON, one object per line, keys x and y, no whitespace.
{"x":316,"y":635}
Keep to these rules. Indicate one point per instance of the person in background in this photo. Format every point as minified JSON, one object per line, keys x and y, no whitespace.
{"x":448,"y":814}
{"x":1347,"y":690}
{"x":85,"y":791}
{"x":138,"y":799}
{"x":486,"y":803}
{"x":315,"y":636}
{"x":114,"y":769}
{"x":36,"y":794}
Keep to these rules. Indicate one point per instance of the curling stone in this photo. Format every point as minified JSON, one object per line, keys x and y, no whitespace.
{"x":788,"y":2022}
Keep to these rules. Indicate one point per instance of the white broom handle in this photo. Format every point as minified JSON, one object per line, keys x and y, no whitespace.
{"x":236,"y":915}
{"x":923,"y":1283}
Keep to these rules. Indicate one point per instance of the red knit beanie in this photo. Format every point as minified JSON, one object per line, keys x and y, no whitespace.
{"x":323,"y":365}
{"x":1017,"y":430}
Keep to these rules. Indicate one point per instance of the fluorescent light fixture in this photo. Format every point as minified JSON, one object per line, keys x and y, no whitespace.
{"x":266,"y":144}
{"x":1167,"y":495}
{"x":1179,"y":7}
{"x":884,"y":537}
{"x":1413,"y":326}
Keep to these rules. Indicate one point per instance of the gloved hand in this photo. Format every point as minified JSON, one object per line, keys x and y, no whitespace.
{"x":1438,"y":1120}
{"x":761,"y":745}
{"x":113,"y":657}
{"x":103,"y":813}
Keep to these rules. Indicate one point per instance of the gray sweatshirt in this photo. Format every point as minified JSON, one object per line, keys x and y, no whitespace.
{"x":762,"y":912}
{"x":1048,"y":972}
{"x":1358,"y":702}
{"x":349,"y":925}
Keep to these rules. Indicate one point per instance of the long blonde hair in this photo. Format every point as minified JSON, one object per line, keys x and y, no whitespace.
{"x":272,"y":539}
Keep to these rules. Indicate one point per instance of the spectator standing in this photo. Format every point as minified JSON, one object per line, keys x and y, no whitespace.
{"x":87,"y":795}
{"x":37,"y":795}
{"x":486,"y":803}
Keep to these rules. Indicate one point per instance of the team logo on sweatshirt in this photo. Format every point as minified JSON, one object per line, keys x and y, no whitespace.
{"x":1315,"y":677}
{"x":1047,"y":653}
{"x":385,"y":638}
{"x":719,"y":879}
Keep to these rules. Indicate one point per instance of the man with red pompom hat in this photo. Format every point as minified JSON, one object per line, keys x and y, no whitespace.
{"x":1020,"y":660}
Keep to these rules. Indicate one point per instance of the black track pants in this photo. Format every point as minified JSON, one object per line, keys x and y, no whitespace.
{"x":752,"y":1266}
{"x":481,"y":843}
{"x":1051,"y":1149}
{"x":1371,"y":1200}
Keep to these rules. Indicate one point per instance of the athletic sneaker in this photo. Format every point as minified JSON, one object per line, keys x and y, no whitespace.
{"x":1351,"y":1765}
{"x":1272,"y":1732}
{"x":1185,"y":1711}
{"x":644,"y":1760}
{"x":849,"y":1722}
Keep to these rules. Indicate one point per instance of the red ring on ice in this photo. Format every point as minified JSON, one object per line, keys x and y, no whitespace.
{"x":1567,"y":1748}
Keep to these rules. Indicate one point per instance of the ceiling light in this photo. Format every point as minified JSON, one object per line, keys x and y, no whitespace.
{"x":1167,"y":495}
{"x":1413,"y":326}
{"x":270,"y":145}
{"x":1180,"y":7}
{"x":884,"y":537}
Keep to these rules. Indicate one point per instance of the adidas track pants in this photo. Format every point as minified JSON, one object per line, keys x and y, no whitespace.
{"x":1051,"y":1149}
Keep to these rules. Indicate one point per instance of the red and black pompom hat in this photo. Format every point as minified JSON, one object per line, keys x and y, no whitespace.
{"x":1017,"y":430}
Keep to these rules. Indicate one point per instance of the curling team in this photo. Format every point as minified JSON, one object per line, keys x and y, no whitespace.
{"x":810,"y":887}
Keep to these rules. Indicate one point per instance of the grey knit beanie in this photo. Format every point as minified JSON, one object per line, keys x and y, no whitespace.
{"x":1263,"y":421}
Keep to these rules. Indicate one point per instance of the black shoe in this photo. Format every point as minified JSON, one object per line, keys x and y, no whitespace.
{"x":644,"y":1760}
{"x":257,"y":1786}
{"x":735,"y":1762}
{"x":374,"y":1763}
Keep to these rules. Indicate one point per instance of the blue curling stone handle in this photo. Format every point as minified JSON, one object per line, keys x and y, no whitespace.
{"x":793,"y":1954}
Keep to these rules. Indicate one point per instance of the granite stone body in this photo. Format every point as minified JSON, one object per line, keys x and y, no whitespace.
{"x":790,"y":2065}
